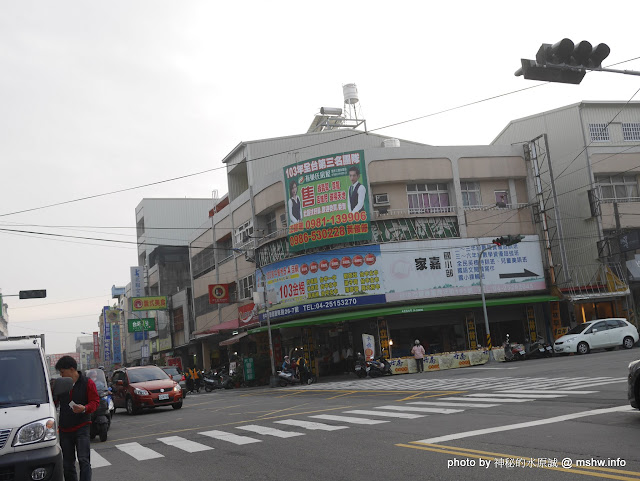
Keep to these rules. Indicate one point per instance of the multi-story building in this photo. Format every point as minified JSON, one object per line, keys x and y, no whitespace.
{"x":4,"y":319}
{"x":84,"y":348}
{"x":360,"y":234}
{"x":590,"y":153}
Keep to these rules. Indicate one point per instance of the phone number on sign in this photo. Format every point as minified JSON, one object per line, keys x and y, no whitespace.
{"x":330,"y":304}
{"x":317,"y":235}
{"x":321,"y":222}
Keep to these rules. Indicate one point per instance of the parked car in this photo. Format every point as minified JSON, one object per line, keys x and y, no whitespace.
{"x":598,"y":334}
{"x":633,"y":384}
{"x":135,"y":388}
{"x":178,"y":377}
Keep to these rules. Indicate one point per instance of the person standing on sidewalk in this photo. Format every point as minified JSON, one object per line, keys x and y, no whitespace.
{"x":76,"y":407}
{"x":418,"y":353}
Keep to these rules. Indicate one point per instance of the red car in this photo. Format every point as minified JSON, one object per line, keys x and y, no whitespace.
{"x":135,"y":388}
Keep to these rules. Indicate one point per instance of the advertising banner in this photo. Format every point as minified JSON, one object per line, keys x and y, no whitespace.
{"x":218,"y":293}
{"x":107,"y":338}
{"x":369,"y":346}
{"x":383,"y":335}
{"x":139,"y":325}
{"x":247,"y":313}
{"x":326,"y":280}
{"x":137,"y":281}
{"x":96,"y":345}
{"x":556,"y":322}
{"x":449,"y":268}
{"x":54,"y":358}
{"x":531,"y":320}
{"x":112,"y":315}
{"x":471,"y":330}
{"x":154,"y":303}
{"x":327,"y":200}
{"x":117,"y":350}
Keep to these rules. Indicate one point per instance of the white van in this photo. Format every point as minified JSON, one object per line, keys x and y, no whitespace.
{"x":29,"y":444}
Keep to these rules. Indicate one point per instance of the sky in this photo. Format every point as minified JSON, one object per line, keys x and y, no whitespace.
{"x":98,"y":97}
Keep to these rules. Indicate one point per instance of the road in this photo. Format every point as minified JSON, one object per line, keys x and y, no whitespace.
{"x":522,"y":419}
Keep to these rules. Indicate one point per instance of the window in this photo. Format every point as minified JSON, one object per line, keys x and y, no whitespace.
{"x":178,"y":320}
{"x":225,"y":249}
{"x":202,"y":305}
{"x":233,"y":292}
{"x":243,"y":234}
{"x":502,"y":198}
{"x":270,"y":221}
{"x":599,"y":132}
{"x":470,"y":194}
{"x":617,"y":187}
{"x":203,"y":262}
{"x":631,"y":131}
{"x":245,"y":287}
{"x":425,"y":198}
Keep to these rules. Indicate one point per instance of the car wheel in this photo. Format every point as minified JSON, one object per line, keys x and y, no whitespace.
{"x":628,"y":342}
{"x":103,"y":432}
{"x":177,"y":405}
{"x":131,"y":409}
{"x":583,"y":348}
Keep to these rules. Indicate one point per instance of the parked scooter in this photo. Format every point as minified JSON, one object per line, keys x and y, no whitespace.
{"x":286,"y":378}
{"x":508,"y":352}
{"x":379,"y":367}
{"x":218,"y":379}
{"x":101,"y":417}
{"x":539,"y":349}
{"x":360,"y":366}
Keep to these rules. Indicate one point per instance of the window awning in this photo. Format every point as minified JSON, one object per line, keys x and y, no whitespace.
{"x":406,"y":309}
{"x":233,"y":340}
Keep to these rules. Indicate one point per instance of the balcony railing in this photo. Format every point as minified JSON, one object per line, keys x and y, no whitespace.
{"x":623,"y":200}
{"x":495,"y":207}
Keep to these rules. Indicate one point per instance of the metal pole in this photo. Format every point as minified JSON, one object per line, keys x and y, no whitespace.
{"x":484,"y":303}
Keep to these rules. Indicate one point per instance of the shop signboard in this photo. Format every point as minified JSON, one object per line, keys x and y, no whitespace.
{"x":471,"y":330}
{"x":249,"y":372}
{"x":531,"y":319}
{"x":327,"y":200}
{"x":149,"y":303}
{"x":383,"y":335}
{"x":107,"y":337}
{"x":449,"y":268}
{"x":117,"y":349}
{"x":137,"y":281}
{"x":96,"y":345}
{"x":219,"y":294}
{"x":326,"y":280}
{"x":175,"y":361}
{"x":369,"y":346}
{"x":139,"y":325}
{"x":556,"y":322}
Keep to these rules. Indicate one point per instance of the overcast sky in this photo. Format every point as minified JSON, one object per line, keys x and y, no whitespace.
{"x":101,"y":96}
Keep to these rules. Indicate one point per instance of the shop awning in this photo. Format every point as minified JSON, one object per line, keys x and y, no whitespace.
{"x":232,"y":325}
{"x":233,"y":340}
{"x":404,"y":309}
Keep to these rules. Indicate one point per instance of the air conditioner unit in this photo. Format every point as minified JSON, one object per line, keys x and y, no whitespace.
{"x":381,"y":199}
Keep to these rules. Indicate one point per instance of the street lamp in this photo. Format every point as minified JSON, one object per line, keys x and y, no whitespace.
{"x":508,"y":240}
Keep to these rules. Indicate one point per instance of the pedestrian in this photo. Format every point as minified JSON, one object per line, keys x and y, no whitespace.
{"x":76,"y":407}
{"x":418,"y":353}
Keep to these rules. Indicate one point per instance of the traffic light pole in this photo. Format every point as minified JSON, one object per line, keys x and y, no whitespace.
{"x":484,"y":302}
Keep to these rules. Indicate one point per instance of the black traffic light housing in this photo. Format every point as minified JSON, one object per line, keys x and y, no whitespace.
{"x":37,"y":294}
{"x":508,"y":240}
{"x":564,"y":62}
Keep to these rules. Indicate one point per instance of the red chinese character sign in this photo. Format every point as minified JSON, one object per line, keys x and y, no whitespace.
{"x":155,"y":303}
{"x":219,"y":294}
{"x":327,"y":200}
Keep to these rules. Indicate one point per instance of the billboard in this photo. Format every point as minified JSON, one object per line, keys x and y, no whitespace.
{"x":400,"y":271}
{"x":153,"y":303}
{"x":137,"y":281}
{"x":117,"y":348}
{"x":218,"y":293}
{"x":327,"y":200}
{"x":107,"y":337}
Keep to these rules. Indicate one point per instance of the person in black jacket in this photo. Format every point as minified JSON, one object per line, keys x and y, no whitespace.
{"x":76,"y":407}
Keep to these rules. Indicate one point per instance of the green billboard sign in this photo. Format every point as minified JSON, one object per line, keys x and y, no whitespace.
{"x":140,"y":325}
{"x":327,"y":200}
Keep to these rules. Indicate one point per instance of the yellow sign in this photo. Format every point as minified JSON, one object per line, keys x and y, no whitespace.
{"x":531,"y":317}
{"x":471,"y":329}
{"x":156,"y":303}
{"x":383,"y":335}
{"x":556,"y":322}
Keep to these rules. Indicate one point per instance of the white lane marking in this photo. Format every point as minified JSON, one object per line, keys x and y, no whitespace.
{"x":510,"y":427}
{"x":138,"y":451}
{"x":311,"y":425}
{"x":98,"y":461}
{"x":516,"y":395}
{"x":543,"y":391}
{"x":453,"y":404}
{"x":389,"y":415}
{"x":229,"y":437}
{"x":348,"y":419}
{"x":598,"y":383}
{"x":254,"y":428}
{"x":495,"y":368}
{"x":184,"y":444}
{"x":421,"y":410}
{"x":493,"y":400}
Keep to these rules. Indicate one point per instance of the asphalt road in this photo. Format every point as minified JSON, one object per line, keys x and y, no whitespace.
{"x":524,"y":419}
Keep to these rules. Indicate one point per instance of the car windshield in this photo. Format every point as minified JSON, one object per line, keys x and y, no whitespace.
{"x":579,"y":328}
{"x":172,"y":371}
{"x":150,"y":373}
{"x":98,"y":377}
{"x":23,"y":379}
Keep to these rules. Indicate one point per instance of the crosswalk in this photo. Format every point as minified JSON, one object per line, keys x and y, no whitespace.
{"x":335,"y":421}
{"x":415,"y":383}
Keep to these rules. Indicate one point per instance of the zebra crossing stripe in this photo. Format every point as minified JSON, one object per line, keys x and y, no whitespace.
{"x":515,"y":395}
{"x":542,"y":391}
{"x":422,"y":410}
{"x":389,"y":415}
{"x":311,"y":425}
{"x":453,"y":404}
{"x":492,"y":400}
{"x":254,"y":428}
{"x":138,"y":451}
{"x":229,"y":437}
{"x":348,"y":419}
{"x":184,"y":444}
{"x":98,"y":461}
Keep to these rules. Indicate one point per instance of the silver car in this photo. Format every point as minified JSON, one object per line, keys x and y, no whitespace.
{"x":178,"y":377}
{"x":633,"y":384}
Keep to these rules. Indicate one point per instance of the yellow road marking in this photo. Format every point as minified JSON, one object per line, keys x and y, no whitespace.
{"x":594,"y":471}
{"x":281,"y":410}
{"x":344,"y":394}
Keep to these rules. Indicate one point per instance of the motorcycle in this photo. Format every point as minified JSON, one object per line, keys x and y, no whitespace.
{"x":508,"y":352}
{"x":286,"y":378}
{"x":378,"y":368}
{"x":360,"y":366}
{"x":218,"y":379}
{"x":101,"y":417}
{"x":539,"y":349}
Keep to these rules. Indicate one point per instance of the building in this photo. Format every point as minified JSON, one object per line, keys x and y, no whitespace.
{"x":590,"y":153}
{"x":84,"y":349}
{"x":387,"y":246}
{"x":4,"y":319}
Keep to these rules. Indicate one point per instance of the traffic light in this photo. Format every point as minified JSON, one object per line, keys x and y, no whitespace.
{"x":37,"y":294}
{"x":564,"y":61}
{"x":508,"y":240}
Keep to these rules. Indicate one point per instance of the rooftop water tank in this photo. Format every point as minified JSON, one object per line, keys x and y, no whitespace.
{"x":350,"y":92}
